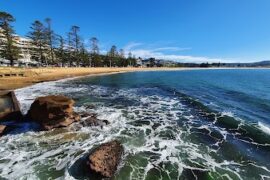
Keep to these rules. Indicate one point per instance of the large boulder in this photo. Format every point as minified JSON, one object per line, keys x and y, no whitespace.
{"x":105,"y":159}
{"x":53,"y":112}
{"x":9,"y":107}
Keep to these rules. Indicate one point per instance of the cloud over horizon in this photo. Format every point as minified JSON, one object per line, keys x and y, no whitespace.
{"x":168,"y":53}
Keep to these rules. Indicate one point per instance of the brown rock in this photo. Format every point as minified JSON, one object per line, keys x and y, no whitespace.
{"x":9,"y":107}
{"x":86,"y":114}
{"x":93,"y":121}
{"x":53,"y":112}
{"x":2,"y":129}
{"x":105,"y":159}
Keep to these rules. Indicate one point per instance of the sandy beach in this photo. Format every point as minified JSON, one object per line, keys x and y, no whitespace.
{"x":14,"y":78}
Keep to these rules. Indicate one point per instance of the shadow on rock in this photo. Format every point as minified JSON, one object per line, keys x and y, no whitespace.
{"x":100,"y":163}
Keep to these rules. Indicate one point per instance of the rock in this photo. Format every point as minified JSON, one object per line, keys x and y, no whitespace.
{"x":105,"y":159}
{"x":86,"y":114}
{"x":53,"y":112}
{"x":89,"y":106}
{"x":106,"y":122}
{"x":9,"y":107}
{"x":93,"y":121}
{"x":2,"y":129}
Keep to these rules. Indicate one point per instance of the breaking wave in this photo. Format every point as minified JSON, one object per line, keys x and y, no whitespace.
{"x":166,"y":135}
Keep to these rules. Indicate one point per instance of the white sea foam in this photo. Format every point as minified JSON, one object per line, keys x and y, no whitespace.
{"x":29,"y":155}
{"x":265,"y":128}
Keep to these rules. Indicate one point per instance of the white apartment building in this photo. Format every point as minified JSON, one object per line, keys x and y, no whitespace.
{"x":25,"y":46}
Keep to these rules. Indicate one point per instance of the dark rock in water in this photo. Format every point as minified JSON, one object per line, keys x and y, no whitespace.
{"x":92,"y":120}
{"x":86,"y":114}
{"x":2,"y":129}
{"x":53,"y":112}
{"x":89,"y":106}
{"x":106,"y":122}
{"x":105,"y":159}
{"x":9,"y":107}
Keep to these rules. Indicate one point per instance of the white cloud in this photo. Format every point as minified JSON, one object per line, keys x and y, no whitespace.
{"x":159,"y":53}
{"x":171,"y":49}
{"x":131,"y":46}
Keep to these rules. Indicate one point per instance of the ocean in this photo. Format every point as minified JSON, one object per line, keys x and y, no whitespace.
{"x":190,"y":124}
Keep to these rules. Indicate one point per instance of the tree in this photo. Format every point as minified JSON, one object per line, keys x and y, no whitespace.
{"x":75,"y":42}
{"x":122,"y":59}
{"x":38,"y":36}
{"x":122,"y":53}
{"x":9,"y":50}
{"x":50,"y":38}
{"x":83,"y":55}
{"x":130,"y":58}
{"x":94,"y":45}
{"x":70,"y":49}
{"x":152,"y":62}
{"x":112,"y":54}
{"x":94,"y":53}
{"x":60,"y":51}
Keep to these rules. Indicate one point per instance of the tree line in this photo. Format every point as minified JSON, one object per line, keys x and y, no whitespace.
{"x":50,"y":48}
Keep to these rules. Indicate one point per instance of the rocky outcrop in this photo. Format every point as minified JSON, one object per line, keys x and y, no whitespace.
{"x":53,"y":112}
{"x":105,"y":159}
{"x":9,"y":107}
{"x":92,"y":120}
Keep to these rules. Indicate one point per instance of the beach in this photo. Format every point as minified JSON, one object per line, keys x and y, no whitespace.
{"x":14,"y":78}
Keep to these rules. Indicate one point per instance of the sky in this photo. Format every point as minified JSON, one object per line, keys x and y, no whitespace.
{"x":180,"y":30}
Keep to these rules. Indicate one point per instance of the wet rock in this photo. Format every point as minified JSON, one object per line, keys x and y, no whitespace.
{"x":86,"y":114}
{"x":92,"y":120}
{"x":9,"y":107}
{"x":89,"y":106}
{"x":2,"y":129}
{"x":53,"y":112}
{"x":105,"y":159}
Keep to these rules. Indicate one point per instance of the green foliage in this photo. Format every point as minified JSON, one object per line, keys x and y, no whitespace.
{"x":52,"y":49}
{"x":9,"y":50}
{"x":50,"y":39}
{"x":38,"y":36}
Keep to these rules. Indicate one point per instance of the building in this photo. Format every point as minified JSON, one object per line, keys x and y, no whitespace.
{"x":26,"y":47}
{"x":139,"y":62}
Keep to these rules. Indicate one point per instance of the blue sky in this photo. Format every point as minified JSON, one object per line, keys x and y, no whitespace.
{"x":182,"y":30}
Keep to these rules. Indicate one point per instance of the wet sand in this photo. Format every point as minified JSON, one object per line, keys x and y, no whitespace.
{"x":22,"y":77}
{"x":29,"y":76}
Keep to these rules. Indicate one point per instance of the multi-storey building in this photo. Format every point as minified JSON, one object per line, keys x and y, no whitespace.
{"x":26,"y":47}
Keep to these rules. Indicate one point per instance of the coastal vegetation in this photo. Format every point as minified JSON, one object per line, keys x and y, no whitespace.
{"x":8,"y":49}
{"x":48,"y":48}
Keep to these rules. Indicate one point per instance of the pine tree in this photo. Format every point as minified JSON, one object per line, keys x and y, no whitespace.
{"x":94,"y":54}
{"x":38,"y":36}
{"x":60,"y":50}
{"x":75,"y":42}
{"x":9,"y":49}
{"x":112,"y":54}
{"x":50,"y":38}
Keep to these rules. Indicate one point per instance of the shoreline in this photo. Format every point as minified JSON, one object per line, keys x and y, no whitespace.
{"x":33,"y":76}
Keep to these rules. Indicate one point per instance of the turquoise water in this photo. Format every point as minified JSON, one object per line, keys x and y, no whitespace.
{"x":204,"y":124}
{"x":245,"y":93}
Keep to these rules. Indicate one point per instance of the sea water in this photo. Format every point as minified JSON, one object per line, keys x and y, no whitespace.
{"x":192,"y":124}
